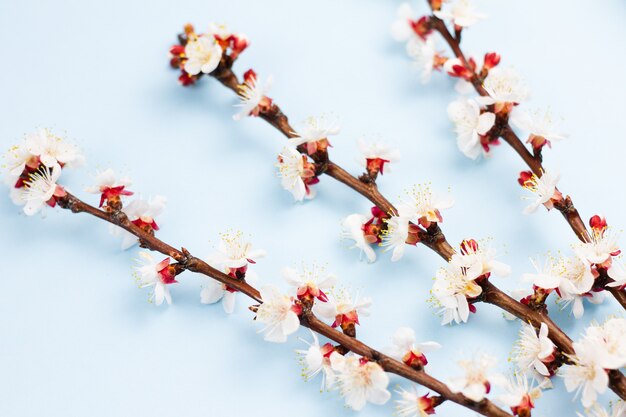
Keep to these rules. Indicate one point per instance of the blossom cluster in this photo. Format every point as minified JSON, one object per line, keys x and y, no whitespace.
{"x":601,"y":349}
{"x":357,"y":378}
{"x":296,"y":164}
{"x":199,"y":54}
{"x":34,"y":167}
{"x":478,"y":121}
{"x":581,"y":276}
{"x":205,"y":53}
{"x":458,"y":284}
{"x":419,"y":209}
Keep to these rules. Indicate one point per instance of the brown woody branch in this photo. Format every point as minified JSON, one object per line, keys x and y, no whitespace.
{"x":185,"y":261}
{"x":433,"y":237}
{"x":534,"y":162}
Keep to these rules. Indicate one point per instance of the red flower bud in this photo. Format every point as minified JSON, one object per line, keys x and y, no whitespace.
{"x":524,"y":178}
{"x":598,"y":222}
{"x":421,"y":27}
{"x":469,"y":245}
{"x":249,"y":76}
{"x":491,"y":60}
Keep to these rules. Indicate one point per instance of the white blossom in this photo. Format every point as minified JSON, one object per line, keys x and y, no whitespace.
{"x":478,"y":378}
{"x":40,"y":148}
{"x":478,"y":261}
{"x":252,"y":93}
{"x":154,"y":274}
{"x":316,"y":360}
{"x":618,"y":409}
{"x":545,"y":190}
{"x":503,"y":85}
{"x":39,"y":190}
{"x":106,"y":182}
{"x":537,"y":123}
{"x":422,"y":206}
{"x":213,"y":291}
{"x":411,"y":404}
{"x":424,"y":56}
{"x":521,"y":394}
{"x":394,"y":237}
{"x":53,"y":150}
{"x":576,"y":284}
{"x":603,"y":245}
{"x":277,"y":314}
{"x":462,"y":86}
{"x":576,"y":301}
{"x":451,"y":290}
{"x":617,"y":272}
{"x":218,"y":30}
{"x":462,"y":13}
{"x":234,"y":251}
{"x":353,"y":229}
{"x":203,"y":55}
{"x":401,"y":29}
{"x":585,"y":376}
{"x":376,"y":150}
{"x":532,"y":350}
{"x":548,"y":276}
{"x":342,"y":307}
{"x":315,"y":129}
{"x":292,"y":172}
{"x":139,"y":212}
{"x":360,"y":381}
{"x":607,"y":342}
{"x":107,"y":179}
{"x":405,"y":343}
{"x":311,"y":281}
{"x":470,"y":124}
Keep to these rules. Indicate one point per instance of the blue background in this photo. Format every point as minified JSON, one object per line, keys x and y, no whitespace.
{"x":78,"y":338}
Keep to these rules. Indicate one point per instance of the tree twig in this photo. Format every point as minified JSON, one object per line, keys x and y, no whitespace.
{"x":185,"y":261}
{"x":433,"y":237}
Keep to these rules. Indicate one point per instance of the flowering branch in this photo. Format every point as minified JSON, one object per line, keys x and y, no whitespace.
{"x":186,"y":261}
{"x":255,"y":103}
{"x":534,"y":162}
{"x":466,"y":69}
